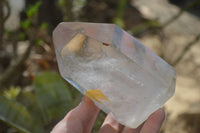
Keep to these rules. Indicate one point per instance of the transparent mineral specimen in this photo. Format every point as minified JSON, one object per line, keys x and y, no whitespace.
{"x":115,"y":70}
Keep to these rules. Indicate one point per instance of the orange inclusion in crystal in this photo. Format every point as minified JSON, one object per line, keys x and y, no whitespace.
{"x":106,"y":44}
{"x":96,"y":95}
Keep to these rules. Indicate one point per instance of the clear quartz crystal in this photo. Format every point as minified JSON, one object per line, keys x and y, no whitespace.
{"x":115,"y":70}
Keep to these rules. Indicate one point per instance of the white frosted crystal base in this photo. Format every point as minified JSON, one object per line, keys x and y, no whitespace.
{"x":133,"y":80}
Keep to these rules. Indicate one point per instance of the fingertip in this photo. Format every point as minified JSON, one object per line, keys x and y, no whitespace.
{"x":85,"y":109}
{"x":87,"y":100}
{"x":110,"y":125}
{"x":88,"y":104}
{"x":159,"y":114}
{"x":154,"y":122}
{"x":83,"y":116}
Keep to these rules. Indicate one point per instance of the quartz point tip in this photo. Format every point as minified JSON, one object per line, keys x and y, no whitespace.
{"x":115,"y":70}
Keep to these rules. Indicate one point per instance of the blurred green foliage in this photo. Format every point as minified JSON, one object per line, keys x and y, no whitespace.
{"x":144,"y":26}
{"x":31,"y":111}
{"x":25,"y":24}
{"x":119,"y":22}
{"x":30,"y":13}
{"x":22,"y":36}
{"x":44,"y":25}
{"x":33,"y":9}
{"x":16,"y":115}
{"x":39,"y":42}
{"x":118,"y":19}
{"x":61,"y":2}
{"x":53,"y":96}
{"x":12,"y":92}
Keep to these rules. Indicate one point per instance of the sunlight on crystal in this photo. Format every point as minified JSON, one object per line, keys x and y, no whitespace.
{"x":115,"y":70}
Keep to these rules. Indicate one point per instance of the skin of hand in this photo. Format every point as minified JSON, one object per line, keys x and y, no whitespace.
{"x":82,"y":118}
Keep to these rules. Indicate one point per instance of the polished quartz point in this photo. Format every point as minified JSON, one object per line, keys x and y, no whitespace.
{"x":121,"y":75}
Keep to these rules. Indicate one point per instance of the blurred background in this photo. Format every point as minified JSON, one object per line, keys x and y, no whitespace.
{"x":33,"y":96}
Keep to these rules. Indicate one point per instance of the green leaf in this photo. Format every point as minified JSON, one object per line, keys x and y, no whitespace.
{"x":22,"y":36}
{"x":81,"y":2}
{"x":28,"y":99}
{"x":33,"y":9}
{"x":18,"y":116}
{"x":53,"y":95}
{"x":44,"y":25}
{"x":25,"y":24}
{"x":120,"y":8}
{"x":119,"y":22}
{"x":61,"y":3}
{"x":39,"y":42}
{"x":11,"y":93}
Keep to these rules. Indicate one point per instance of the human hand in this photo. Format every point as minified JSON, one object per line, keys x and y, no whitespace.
{"x":81,"y":120}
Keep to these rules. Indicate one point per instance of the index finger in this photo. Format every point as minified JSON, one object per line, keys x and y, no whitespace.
{"x":79,"y":120}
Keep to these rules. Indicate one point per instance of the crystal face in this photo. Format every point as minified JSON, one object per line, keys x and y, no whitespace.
{"x":121,"y":75}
